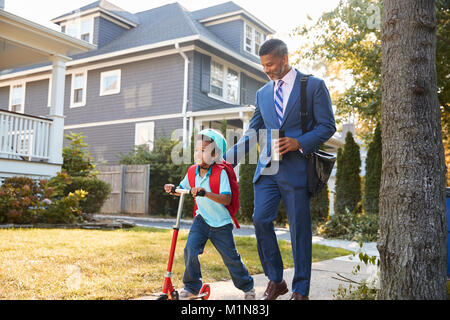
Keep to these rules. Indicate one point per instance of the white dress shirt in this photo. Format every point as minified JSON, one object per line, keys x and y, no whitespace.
{"x":287,"y":86}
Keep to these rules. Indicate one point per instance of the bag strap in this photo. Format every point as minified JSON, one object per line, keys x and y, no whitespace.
{"x":303,"y":110}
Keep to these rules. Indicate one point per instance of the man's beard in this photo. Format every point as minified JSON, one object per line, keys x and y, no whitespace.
{"x":277,"y":75}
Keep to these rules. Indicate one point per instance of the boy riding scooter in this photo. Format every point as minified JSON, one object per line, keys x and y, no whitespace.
{"x":212,"y":216}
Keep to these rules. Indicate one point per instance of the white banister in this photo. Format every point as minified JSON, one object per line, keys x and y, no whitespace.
{"x":24,"y":136}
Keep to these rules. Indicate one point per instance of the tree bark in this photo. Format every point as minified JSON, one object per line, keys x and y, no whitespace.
{"x":413,"y":232}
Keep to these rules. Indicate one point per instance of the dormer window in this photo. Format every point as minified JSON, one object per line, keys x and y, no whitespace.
{"x":253,"y":39}
{"x":81,"y":28}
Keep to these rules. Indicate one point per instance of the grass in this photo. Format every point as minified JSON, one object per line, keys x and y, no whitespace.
{"x":121,"y":264}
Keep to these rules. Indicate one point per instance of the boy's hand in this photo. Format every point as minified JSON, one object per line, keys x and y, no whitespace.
{"x":168,"y":188}
{"x":194,"y":191}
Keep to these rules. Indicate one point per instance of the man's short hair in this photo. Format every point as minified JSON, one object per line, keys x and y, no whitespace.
{"x":273,"y":46}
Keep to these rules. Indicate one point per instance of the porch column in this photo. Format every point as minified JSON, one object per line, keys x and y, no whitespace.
{"x":57,"y":108}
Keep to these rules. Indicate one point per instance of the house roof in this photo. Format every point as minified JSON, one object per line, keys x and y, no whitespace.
{"x":159,"y":25}
{"x":227,"y":9}
{"x":103,"y":5}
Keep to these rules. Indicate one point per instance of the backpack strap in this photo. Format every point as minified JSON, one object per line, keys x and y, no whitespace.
{"x":191,"y":175}
{"x":192,"y":171}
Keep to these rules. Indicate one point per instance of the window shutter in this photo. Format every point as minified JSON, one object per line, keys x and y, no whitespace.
{"x":206,"y":74}
{"x":243,"y":88}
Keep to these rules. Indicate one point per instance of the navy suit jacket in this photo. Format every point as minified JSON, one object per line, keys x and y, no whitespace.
{"x":320,"y":123}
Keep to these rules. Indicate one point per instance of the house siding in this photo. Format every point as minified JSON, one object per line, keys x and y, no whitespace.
{"x":231,"y":32}
{"x":105,"y":31}
{"x":107,"y":142}
{"x":201,"y":101}
{"x":148,"y":88}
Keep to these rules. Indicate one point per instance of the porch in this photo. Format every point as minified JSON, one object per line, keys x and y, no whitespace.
{"x":31,"y":145}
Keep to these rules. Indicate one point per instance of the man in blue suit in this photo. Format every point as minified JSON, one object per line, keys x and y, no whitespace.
{"x":278,"y":111}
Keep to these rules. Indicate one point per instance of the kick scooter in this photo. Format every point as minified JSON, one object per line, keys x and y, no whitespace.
{"x":169,"y":292}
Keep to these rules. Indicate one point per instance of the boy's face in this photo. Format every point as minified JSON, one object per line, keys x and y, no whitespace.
{"x":204,"y":154}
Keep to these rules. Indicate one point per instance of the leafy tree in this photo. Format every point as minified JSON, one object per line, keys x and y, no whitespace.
{"x":348,"y":38}
{"x":77,"y":160}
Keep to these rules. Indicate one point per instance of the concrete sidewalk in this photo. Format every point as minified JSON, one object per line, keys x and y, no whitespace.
{"x":324,"y":274}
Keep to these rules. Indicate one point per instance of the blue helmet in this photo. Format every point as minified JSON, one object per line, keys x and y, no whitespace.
{"x":217,"y":137}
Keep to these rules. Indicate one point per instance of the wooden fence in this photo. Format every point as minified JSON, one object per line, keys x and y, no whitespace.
{"x":129,"y":188}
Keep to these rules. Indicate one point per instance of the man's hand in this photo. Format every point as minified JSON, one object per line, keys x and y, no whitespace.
{"x":286,"y":144}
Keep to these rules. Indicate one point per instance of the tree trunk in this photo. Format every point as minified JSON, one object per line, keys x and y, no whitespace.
{"x":412,"y":241}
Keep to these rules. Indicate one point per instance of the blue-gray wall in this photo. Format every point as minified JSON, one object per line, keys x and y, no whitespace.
{"x":105,"y":31}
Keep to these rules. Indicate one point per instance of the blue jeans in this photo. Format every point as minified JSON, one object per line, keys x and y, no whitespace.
{"x":223,"y":241}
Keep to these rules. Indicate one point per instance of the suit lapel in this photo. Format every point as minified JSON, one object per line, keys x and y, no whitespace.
{"x":295,"y":95}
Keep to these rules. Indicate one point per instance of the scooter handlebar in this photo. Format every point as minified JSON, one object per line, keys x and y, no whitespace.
{"x":201,"y":193}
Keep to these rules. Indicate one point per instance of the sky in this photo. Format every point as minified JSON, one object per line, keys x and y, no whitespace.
{"x":281,"y":15}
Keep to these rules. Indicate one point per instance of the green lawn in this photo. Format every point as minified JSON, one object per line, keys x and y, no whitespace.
{"x":122,"y":264}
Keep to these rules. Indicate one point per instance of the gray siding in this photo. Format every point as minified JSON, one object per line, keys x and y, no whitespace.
{"x":231,"y":32}
{"x":148,"y":88}
{"x":201,"y":101}
{"x":36,"y":98}
{"x":106,"y":143}
{"x":105,"y":31}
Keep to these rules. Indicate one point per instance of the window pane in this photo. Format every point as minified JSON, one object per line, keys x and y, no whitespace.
{"x":110,"y":83}
{"x":248,"y":38}
{"x":86,"y":26}
{"x":232,"y":86}
{"x":78,"y":82}
{"x":17,"y":95}
{"x":72,"y":29}
{"x":78,"y":95}
{"x":257,"y":41}
{"x":85,"y":37}
{"x":216,"y":78}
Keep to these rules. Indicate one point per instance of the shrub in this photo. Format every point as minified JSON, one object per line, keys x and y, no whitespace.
{"x":23,"y":201}
{"x":348,"y":180}
{"x":98,"y":192}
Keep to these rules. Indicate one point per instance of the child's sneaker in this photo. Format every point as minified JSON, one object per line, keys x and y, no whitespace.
{"x":187,"y":295}
{"x":250,"y":295}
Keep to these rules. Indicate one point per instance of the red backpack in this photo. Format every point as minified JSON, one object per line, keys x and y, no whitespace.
{"x":214,"y":184}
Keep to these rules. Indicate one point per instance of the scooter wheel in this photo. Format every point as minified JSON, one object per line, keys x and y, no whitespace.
{"x":205,"y":292}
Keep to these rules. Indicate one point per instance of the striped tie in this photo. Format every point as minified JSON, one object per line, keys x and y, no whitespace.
{"x":279,"y":101}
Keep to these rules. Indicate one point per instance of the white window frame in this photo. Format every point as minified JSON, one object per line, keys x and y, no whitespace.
{"x":103,"y":75}
{"x":79,"y":21}
{"x":11,"y":88}
{"x":72,"y":90}
{"x":253,"y":35}
{"x":151,"y":141}
{"x":226,"y":67}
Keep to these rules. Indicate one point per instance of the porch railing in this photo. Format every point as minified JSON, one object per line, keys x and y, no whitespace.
{"x":24,"y":136}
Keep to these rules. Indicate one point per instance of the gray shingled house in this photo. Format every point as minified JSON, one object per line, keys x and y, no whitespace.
{"x":151,"y":72}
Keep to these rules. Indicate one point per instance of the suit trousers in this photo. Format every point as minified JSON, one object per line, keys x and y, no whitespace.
{"x":268,"y":191}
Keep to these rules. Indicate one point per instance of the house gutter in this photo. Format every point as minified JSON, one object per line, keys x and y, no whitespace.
{"x":185,"y":93}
